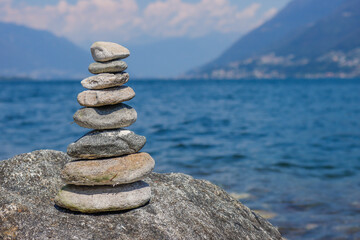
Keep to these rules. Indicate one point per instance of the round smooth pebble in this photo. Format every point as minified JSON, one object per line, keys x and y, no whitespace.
{"x":106,"y":143}
{"x":108,"y":67}
{"x":107,"y":51}
{"x":110,"y":96}
{"x":105,"y":80}
{"x":106,"y":117}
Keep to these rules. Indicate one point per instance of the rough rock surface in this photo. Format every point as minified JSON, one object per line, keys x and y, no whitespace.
{"x":107,"y":51}
{"x":106,"y":143}
{"x":106,"y":117}
{"x":103,"y":198}
{"x":110,"y":96}
{"x":108,"y":67}
{"x":105,"y":80}
{"x":180,"y":208}
{"x":110,"y":171}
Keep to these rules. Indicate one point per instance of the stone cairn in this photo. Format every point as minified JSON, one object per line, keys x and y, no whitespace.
{"x":106,"y":175}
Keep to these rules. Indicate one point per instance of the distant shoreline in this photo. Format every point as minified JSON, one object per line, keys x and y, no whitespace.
{"x":27,"y":79}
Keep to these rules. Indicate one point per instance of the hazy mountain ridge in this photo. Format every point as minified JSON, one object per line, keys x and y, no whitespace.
{"x":39,"y":54}
{"x":325,"y":43}
{"x":32,"y":54}
{"x":170,"y":57}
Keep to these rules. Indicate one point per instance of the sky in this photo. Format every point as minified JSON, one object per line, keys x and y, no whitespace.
{"x":142,"y":23}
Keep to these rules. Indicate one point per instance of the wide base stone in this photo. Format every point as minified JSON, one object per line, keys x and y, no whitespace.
{"x":111,"y":171}
{"x":103,"y":198}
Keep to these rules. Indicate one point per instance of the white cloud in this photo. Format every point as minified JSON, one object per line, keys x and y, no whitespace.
{"x":84,"y":19}
{"x":88,"y":20}
{"x":248,"y":12}
{"x":265,"y":17}
{"x":270,"y":13}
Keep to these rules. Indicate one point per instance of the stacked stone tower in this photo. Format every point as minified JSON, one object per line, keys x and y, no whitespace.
{"x":107,"y":172}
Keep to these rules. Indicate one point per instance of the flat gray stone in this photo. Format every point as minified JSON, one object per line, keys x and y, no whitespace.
{"x":106,"y":117}
{"x":108,"y":67}
{"x":110,"y":171}
{"x":105,"y":80}
{"x":181,"y":208}
{"x":106,"y":143}
{"x":110,"y":96}
{"x":103,"y":198}
{"x":107,"y":51}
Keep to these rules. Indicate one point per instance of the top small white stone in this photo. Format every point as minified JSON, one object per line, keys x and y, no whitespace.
{"x":107,"y":51}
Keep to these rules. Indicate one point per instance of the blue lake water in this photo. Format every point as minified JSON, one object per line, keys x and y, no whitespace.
{"x":292,"y":146}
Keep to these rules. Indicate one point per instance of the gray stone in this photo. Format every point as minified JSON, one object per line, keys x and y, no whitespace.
{"x":106,"y":143}
{"x":108,"y":67}
{"x":111,"y":171}
{"x":103,"y":198}
{"x":106,"y":117}
{"x":107,"y":51}
{"x":110,"y":96}
{"x":105,"y":80}
{"x":181,"y":207}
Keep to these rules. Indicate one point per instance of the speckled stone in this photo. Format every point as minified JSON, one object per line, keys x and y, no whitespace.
{"x":29,"y":182}
{"x":103,"y":198}
{"x":107,"y":51}
{"x":106,"y":143}
{"x":106,"y":117}
{"x":110,"y":96}
{"x":105,"y":80}
{"x":108,"y":67}
{"x":110,"y":171}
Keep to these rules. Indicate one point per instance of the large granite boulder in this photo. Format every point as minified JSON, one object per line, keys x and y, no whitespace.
{"x":181,"y":207}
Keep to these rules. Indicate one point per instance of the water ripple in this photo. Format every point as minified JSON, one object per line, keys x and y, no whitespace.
{"x":292,"y":145}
